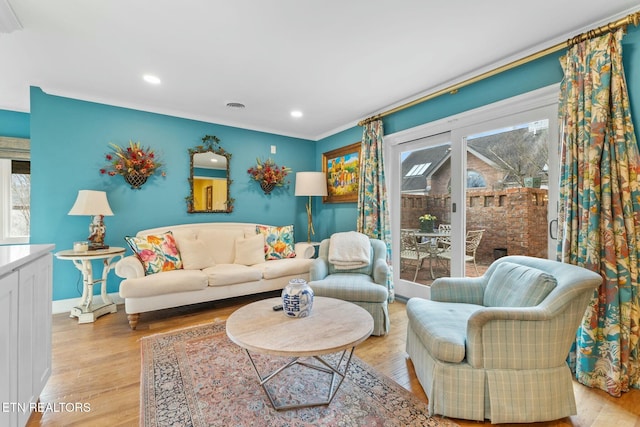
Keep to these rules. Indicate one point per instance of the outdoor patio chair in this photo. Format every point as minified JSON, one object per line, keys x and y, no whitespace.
{"x":412,"y":252}
{"x":472,"y":242}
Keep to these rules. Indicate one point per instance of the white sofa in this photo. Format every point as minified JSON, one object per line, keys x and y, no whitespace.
{"x":219,"y":261}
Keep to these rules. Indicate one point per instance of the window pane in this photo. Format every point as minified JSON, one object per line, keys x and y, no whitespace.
{"x":20,"y":199}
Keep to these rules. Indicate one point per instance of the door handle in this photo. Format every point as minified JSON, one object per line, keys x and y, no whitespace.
{"x":551,"y":229}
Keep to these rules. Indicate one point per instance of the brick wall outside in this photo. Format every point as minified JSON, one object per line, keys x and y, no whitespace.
{"x":513,"y":218}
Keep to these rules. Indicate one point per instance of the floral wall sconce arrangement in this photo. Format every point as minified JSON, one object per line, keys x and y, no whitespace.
{"x":135,"y":163}
{"x":269,"y":175}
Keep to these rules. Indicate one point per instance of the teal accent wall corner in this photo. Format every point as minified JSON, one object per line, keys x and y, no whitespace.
{"x":69,"y":140}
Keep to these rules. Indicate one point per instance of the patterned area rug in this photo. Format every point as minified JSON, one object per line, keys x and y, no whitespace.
{"x":198,"y":377}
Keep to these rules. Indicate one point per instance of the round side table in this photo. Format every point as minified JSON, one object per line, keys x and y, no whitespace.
{"x":87,"y":311}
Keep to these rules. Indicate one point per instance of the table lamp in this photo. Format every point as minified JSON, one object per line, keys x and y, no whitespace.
{"x":94,"y":203}
{"x":310,"y":184}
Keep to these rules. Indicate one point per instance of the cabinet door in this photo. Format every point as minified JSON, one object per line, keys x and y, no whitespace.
{"x":9,"y":347}
{"x":34,"y":336}
{"x":42,"y":298}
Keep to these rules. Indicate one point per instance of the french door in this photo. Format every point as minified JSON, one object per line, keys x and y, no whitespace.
{"x":490,"y":173}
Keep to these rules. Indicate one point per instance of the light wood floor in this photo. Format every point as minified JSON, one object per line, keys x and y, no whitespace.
{"x":99,"y":364}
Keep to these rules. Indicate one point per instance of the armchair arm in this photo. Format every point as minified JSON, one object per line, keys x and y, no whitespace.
{"x":129,"y":267}
{"x":304,"y":250}
{"x":458,"y":289}
{"x":381,"y":272}
{"x":518,"y":338}
{"x":319,"y":269}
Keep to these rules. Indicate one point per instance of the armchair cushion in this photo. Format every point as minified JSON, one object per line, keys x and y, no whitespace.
{"x":350,"y":287}
{"x":441,"y":327}
{"x":514,"y":285}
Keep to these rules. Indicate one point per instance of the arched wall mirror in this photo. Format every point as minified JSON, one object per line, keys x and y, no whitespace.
{"x":209,"y":180}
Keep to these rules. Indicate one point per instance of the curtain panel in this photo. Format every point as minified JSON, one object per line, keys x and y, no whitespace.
{"x":373,"y":210}
{"x":599,"y":213}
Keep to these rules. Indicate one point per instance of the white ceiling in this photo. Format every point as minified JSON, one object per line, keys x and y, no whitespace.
{"x":338,"y":61}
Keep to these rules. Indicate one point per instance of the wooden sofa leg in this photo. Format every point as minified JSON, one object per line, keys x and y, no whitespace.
{"x":133,"y":320}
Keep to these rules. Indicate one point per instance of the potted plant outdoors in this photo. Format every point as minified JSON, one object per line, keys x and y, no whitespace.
{"x":427,"y":222}
{"x":135,"y":163}
{"x":269,"y":174}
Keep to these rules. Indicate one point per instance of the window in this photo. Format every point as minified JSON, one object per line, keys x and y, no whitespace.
{"x":15,"y":190}
{"x":475,"y":180}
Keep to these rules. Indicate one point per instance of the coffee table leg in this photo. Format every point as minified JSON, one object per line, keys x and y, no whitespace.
{"x":335,"y":371}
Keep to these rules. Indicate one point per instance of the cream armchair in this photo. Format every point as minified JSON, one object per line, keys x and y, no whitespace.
{"x":495,"y":347}
{"x":366,"y":287}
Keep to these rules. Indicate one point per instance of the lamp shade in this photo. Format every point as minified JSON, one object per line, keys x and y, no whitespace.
{"x":311,"y":184}
{"x":91,"y":202}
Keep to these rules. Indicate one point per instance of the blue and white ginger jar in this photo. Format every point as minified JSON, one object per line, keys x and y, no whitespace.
{"x":297,"y":298}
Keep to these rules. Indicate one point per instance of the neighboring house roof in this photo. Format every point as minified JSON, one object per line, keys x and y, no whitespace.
{"x":421,"y":164}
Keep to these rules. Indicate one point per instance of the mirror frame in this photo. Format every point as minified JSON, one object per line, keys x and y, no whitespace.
{"x":210,"y":143}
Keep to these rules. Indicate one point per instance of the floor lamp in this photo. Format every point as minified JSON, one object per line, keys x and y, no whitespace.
{"x":310,"y":184}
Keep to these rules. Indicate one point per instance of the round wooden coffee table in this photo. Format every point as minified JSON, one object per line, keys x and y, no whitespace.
{"x":334,"y":326}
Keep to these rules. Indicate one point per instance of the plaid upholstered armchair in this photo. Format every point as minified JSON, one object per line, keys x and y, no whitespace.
{"x":495,"y":347}
{"x":365,"y":285}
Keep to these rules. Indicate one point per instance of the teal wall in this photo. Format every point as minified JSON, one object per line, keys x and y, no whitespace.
{"x":14,"y":124}
{"x":534,"y":75}
{"x":69,"y":139}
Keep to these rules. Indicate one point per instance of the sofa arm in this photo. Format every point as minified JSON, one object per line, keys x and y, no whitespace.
{"x":381,"y":272}
{"x":304,"y":250}
{"x":458,"y":289}
{"x":129,"y":267}
{"x":319,"y":269}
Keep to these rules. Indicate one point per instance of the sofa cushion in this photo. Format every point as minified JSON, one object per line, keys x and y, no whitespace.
{"x":284,"y":267}
{"x":194,"y":253}
{"x":168,"y":282}
{"x":278,"y":241}
{"x":156,"y":252}
{"x":350,"y":287}
{"x":249,"y":250}
{"x":230,"y":274}
{"x":514,"y":285}
{"x":221,"y":243}
{"x":441,"y":327}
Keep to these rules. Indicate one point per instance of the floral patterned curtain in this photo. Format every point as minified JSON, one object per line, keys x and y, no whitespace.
{"x":600,"y":210}
{"x":373,"y":212}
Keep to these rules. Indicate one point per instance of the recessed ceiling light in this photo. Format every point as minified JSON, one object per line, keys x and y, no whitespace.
{"x":296,"y":113}
{"x":151,"y":79}
{"x":235,"y":105}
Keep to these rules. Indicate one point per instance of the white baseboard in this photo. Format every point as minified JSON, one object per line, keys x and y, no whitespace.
{"x":65,"y":305}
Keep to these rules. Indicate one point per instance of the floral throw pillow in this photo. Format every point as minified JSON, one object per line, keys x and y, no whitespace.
{"x":278,"y":241}
{"x":157,"y":253}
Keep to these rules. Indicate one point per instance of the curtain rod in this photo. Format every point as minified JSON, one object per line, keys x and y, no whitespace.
{"x":633,"y":18}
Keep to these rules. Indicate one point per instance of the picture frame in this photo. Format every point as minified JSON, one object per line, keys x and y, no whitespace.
{"x":342,"y":168}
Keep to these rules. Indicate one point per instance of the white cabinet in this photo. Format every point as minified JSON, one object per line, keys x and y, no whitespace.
{"x":25,"y":330}
{"x":9,"y":346}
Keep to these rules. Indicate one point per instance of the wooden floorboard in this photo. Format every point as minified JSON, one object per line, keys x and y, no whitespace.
{"x":99,"y":364}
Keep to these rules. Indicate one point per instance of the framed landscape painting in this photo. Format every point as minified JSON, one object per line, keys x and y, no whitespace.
{"x":342,"y":167}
